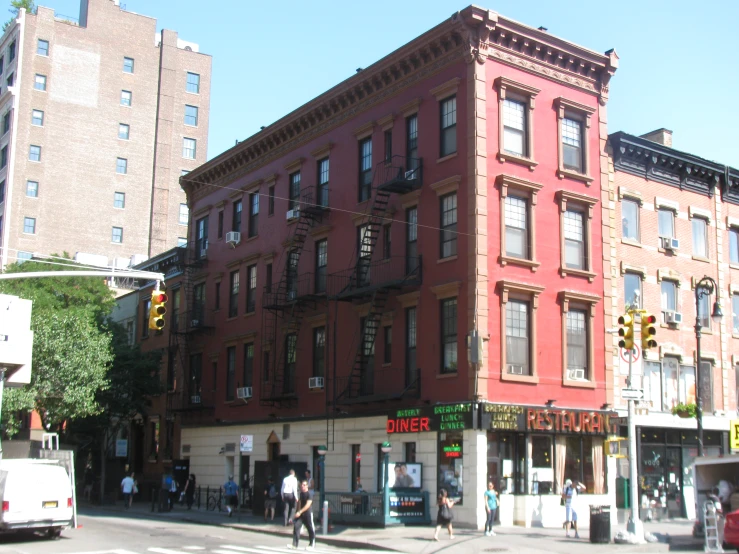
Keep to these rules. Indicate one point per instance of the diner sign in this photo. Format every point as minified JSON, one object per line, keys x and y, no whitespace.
{"x":505,"y":417}
{"x":448,"y":417}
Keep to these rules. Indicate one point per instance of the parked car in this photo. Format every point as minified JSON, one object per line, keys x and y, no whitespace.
{"x":731,"y":530}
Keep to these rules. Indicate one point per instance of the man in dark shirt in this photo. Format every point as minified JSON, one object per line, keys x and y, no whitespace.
{"x":304,"y":515}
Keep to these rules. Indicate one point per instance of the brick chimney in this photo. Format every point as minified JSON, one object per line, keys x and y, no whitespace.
{"x":660,"y":136}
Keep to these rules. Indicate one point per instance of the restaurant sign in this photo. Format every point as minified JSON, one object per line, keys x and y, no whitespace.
{"x":506,"y":417}
{"x":449,"y":417}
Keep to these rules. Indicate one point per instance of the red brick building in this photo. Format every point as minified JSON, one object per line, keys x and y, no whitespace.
{"x":343,"y":256}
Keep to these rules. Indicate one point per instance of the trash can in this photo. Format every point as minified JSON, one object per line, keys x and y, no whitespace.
{"x":600,"y":524}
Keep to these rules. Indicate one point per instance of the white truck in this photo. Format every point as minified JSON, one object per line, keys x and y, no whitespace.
{"x":708,"y":472}
{"x":36,"y":495}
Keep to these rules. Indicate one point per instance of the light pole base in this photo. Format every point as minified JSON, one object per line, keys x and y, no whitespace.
{"x":636,"y":528}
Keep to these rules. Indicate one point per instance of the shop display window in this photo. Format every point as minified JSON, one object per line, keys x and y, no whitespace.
{"x":451,"y":465}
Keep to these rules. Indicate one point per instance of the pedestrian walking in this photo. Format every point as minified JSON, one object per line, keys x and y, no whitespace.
{"x":304,"y":516}
{"x":491,"y":508}
{"x":127,"y":486}
{"x":172,"y":492}
{"x":311,"y":484}
{"x":231,"y":492}
{"x":270,"y":499}
{"x":568,"y":496}
{"x":445,"y":516}
{"x":289,"y":493}
{"x":190,"y":491}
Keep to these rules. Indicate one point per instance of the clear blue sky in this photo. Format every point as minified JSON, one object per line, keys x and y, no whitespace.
{"x":678,"y":64}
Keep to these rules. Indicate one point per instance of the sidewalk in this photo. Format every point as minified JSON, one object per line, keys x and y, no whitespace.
{"x":673,"y":535}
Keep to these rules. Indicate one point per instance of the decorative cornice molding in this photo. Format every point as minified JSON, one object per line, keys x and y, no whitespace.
{"x":295,"y":165}
{"x":409,"y":108}
{"x":447,"y":89}
{"x":322,"y":151}
{"x":445,"y":186}
{"x":364,"y":131}
{"x":386,"y":123}
{"x":447,"y":290}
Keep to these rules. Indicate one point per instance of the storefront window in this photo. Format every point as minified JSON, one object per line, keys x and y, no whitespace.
{"x":501,"y":461}
{"x":356,"y":462}
{"x":541,"y":477}
{"x":451,"y":462}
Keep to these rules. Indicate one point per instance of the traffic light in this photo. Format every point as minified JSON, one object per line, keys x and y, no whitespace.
{"x":626,"y":332}
{"x":648,"y":331}
{"x":158,"y":309}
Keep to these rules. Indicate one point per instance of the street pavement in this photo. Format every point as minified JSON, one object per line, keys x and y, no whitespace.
{"x":113,"y":530}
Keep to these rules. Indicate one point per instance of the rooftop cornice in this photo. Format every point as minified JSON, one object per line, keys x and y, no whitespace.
{"x":474,"y":33}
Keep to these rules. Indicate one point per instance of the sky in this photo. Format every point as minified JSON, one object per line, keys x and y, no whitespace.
{"x":677,"y":69}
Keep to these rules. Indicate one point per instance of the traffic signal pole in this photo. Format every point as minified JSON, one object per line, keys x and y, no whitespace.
{"x":635,"y":525}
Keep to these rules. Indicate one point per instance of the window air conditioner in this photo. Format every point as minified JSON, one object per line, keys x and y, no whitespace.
{"x":673,"y":317}
{"x":669,"y":243}
{"x":243,"y":393}
{"x":515,"y":369}
{"x":195,"y":399}
{"x":293,"y":214}
{"x":203,"y":252}
{"x":410,"y":175}
{"x":576,"y":374}
{"x":195,"y":323}
{"x":315,"y":383}
{"x":233,"y":238}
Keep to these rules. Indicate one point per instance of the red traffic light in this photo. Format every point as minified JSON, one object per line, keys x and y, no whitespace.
{"x":159,"y":297}
{"x":650,"y":318}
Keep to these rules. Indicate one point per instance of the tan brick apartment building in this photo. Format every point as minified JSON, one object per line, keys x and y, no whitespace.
{"x":99,"y":118}
{"x":658,"y":194}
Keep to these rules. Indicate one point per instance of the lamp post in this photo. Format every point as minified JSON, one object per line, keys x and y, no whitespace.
{"x":322,"y":480}
{"x":386,"y":448}
{"x":703,"y":288}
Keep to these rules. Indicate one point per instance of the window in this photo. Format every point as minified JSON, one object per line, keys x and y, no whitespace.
{"x":577,"y":340}
{"x":322,"y":188}
{"x":39,"y":82}
{"x":449,"y":335}
{"x":319,"y":352}
{"x":411,"y":142}
{"x":123,"y":131}
{"x":233,"y":294}
{"x":514,"y":128}
{"x":271,"y":202}
{"x":6,"y":122}
{"x":735,"y":316}
{"x":321,"y":265}
{"x":10,"y":80}
{"x":364,"y":247}
{"x":572,"y":151}
{"x":734,"y":245}
{"x":29,"y":225}
{"x":253,"y":214}
{"x":387,"y":350}
{"x":365,"y":169}
{"x":516,"y":227}
{"x":251,"y":289}
{"x":119,"y":200}
{"x":355,"y":463}
{"x":184,"y":214}
{"x":632,"y":290}
{"x":448,"y":225}
{"x":23,"y":256}
{"x":578,"y":312}
{"x":291,"y":347}
{"x":294,"y":192}
{"x":42,"y":47}
{"x":121,"y":166}
{"x":574,"y":240}
{"x":268,"y":279}
{"x":451,"y":464}
{"x":515,"y":116}
{"x":700,"y":238}
{"x":198,"y":301}
{"x":193,"y":83}
{"x":220,"y":224}
{"x":191,"y":115}
{"x":126,"y":98}
{"x":448,"y":126}
{"x":236,"y":219}
{"x":37,"y":118}
{"x":411,"y":240}
{"x":2,"y":191}
{"x":573,"y":120}
{"x":668,"y":383}
{"x":411,"y":367}
{"x":666,"y":223}
{"x":704,"y":310}
{"x":145,"y":323}
{"x":388,"y":140}
{"x":2,"y":64}
{"x":630,"y":219}
{"x":230,"y":373}
{"x":386,"y":242}
{"x":4,"y":157}
{"x":11,"y":51}
{"x":181,"y":241}
{"x":117,"y":235}
{"x":249,"y":364}
{"x":217,"y":296}
{"x":188,"y":148}
{"x":669,"y":297}
{"x":518,"y":346}
{"x":34,"y":153}
{"x":127,"y":65}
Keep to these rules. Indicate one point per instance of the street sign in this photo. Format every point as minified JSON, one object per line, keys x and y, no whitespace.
{"x":246,"y":444}
{"x":734,"y":435}
{"x":635,"y":353}
{"x":632,"y":394}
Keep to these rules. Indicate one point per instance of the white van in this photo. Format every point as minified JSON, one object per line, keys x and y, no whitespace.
{"x":36,"y":495}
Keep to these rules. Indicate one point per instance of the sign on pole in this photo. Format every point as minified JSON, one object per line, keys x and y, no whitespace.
{"x":734,"y":434}
{"x":632,"y":394}
{"x":121,"y":448}
{"x":247,"y":443}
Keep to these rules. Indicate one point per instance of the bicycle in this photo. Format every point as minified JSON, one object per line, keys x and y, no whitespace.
{"x":215,"y":500}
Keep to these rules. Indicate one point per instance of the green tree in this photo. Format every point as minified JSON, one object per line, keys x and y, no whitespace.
{"x":15,"y":6}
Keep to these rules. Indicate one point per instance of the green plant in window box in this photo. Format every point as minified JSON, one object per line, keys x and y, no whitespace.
{"x":685,"y":410}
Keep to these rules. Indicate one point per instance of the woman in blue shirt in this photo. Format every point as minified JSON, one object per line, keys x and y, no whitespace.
{"x":491,"y":507}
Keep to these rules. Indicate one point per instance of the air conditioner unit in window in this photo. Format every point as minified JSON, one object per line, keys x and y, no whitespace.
{"x":673,"y":317}
{"x":669,"y":243}
{"x":515,"y":369}
{"x":203,"y":252}
{"x":243,"y":393}
{"x":194,"y":323}
{"x":315,"y":383}
{"x":233,"y":238}
{"x":293,"y":214}
{"x":411,"y":174}
{"x":576,"y":374}
{"x":195,"y":399}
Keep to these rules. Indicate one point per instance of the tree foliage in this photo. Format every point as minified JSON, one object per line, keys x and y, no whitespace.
{"x":15,"y":6}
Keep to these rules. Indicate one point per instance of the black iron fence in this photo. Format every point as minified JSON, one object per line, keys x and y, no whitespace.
{"x":355,"y":508}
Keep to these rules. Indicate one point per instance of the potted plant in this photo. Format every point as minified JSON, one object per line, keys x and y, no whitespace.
{"x":684,"y":410}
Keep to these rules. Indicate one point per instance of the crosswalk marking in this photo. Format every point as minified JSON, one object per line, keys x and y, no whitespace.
{"x":194,"y":547}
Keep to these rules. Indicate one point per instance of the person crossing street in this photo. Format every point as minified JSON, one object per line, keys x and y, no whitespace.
{"x":231,"y":492}
{"x":304,"y":516}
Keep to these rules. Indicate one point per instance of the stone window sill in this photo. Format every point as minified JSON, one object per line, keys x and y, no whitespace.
{"x":632,"y":242}
{"x":447,"y":157}
{"x":508,"y":157}
{"x":578,"y":384}
{"x":250,"y":314}
{"x":532,"y":379}
{"x":734,"y":266}
{"x":532,"y":264}
{"x":562,"y":173}
{"x":447,"y":259}
{"x":447,"y":375}
{"x":564,"y":271}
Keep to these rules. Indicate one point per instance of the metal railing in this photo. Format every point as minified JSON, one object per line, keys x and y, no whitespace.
{"x":355,"y":507}
{"x":399,"y":174}
{"x":380,"y":384}
{"x":369,"y":275}
{"x":314,"y":198}
{"x":300,"y":288}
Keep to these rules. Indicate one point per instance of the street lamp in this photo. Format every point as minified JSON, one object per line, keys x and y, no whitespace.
{"x":386,"y":448}
{"x":703,"y":288}
{"x":321,"y":478}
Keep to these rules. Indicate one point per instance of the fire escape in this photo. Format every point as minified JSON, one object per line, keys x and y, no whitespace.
{"x":192,"y":399}
{"x":285,"y":303}
{"x":371,"y":280}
